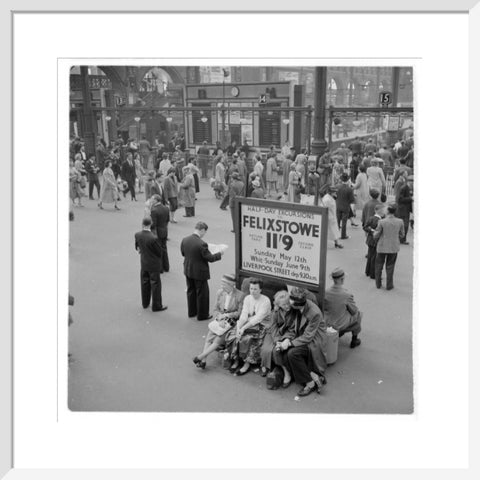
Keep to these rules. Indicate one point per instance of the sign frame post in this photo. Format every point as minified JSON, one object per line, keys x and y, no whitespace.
{"x":241,"y":203}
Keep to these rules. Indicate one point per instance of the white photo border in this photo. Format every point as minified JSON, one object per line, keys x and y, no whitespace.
{"x":474,"y":17}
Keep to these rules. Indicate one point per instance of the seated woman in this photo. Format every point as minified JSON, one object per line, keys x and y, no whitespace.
{"x":228,"y":306}
{"x":244,"y":342}
{"x":279,"y":330}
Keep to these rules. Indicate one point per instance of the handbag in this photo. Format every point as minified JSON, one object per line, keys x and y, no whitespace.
{"x":215,"y":327}
{"x":274,"y":378}
{"x":306,"y":199}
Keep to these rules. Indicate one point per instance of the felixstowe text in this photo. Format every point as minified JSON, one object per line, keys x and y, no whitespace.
{"x":280,"y":242}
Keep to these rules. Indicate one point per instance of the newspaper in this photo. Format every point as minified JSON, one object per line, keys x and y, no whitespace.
{"x":214,"y":248}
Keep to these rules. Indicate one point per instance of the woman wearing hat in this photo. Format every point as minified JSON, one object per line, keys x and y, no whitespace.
{"x":328,"y":201}
{"x":257,"y":191}
{"x":227,"y":310}
{"x":293,"y":192}
{"x":187,"y":187}
{"x":109,"y":190}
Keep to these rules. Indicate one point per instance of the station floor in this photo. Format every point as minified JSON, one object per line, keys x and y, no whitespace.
{"x":129,"y":359}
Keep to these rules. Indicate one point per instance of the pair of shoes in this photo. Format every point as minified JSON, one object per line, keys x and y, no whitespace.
{"x":405,"y":243}
{"x":199,"y":363}
{"x":100,"y":206}
{"x":116,"y":208}
{"x":263,"y":372}
{"x":338,"y":245}
{"x":389,"y":288}
{"x":223,"y":208}
{"x":208,"y":318}
{"x":306,"y":390}
{"x":90,"y":198}
{"x":239,"y":372}
{"x":354,"y":224}
{"x":186,"y":215}
{"x":286,"y":384}
{"x":319,"y":382}
{"x":161,"y":309}
{"x":233,"y":231}
{"x":173,"y":221}
{"x":233,"y":368}
{"x":355,"y":342}
{"x":344,"y":238}
{"x":379,"y":286}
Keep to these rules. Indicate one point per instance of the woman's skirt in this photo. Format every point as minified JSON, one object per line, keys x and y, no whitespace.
{"x":248,"y":347}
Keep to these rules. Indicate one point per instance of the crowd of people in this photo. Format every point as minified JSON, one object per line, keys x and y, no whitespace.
{"x":284,"y":333}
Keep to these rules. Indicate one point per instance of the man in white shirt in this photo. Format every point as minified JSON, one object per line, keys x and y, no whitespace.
{"x":246,"y":340}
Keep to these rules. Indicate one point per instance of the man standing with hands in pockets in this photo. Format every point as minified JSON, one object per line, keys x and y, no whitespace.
{"x":197,"y":271}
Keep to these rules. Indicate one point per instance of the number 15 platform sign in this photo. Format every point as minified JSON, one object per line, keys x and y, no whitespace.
{"x":281,"y":241}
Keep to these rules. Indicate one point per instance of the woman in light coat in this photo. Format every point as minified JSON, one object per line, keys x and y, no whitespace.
{"x":109,"y":190}
{"x":187,"y":187}
{"x":328,"y":201}
{"x":361,"y":189}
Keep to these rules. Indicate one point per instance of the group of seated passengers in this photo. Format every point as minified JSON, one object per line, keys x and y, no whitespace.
{"x":292,"y":335}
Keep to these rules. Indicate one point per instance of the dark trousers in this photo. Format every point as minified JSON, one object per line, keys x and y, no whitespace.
{"x":406,"y":223}
{"x":342,"y":218}
{"x":198,"y":298}
{"x":370,"y":266}
{"x":232,"y":213}
{"x":165,"y":260}
{"x":151,"y":287}
{"x":298,"y":363}
{"x":189,"y":211}
{"x":131,"y":189}
{"x":296,"y":360}
{"x":389,"y":260}
{"x":93,"y":182}
{"x":225,"y":201}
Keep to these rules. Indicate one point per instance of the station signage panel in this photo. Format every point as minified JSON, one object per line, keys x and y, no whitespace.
{"x":285,"y":241}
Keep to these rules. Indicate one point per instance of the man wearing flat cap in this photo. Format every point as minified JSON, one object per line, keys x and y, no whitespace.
{"x":303,"y":353}
{"x":236,"y":188}
{"x":340,"y":309}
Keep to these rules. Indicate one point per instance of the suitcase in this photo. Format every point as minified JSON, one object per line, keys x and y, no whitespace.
{"x":274,"y":378}
{"x":332,"y":345}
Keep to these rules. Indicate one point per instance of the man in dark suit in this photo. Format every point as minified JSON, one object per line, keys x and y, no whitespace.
{"x":341,"y":312}
{"x":160,"y":215}
{"x":197,"y":271}
{"x":388,"y":233}
{"x":128,"y":174}
{"x":404,"y":205}
{"x":369,"y":207}
{"x":236,"y":188}
{"x":370,"y":227}
{"x":151,"y":266}
{"x":345,"y":198}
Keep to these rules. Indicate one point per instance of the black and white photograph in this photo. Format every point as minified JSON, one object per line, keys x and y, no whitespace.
{"x":241,"y":238}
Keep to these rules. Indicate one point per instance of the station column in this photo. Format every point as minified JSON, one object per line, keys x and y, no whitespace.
{"x":319,"y":144}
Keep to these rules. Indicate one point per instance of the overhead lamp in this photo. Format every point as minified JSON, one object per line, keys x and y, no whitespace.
{"x":108,"y":118}
{"x":169,"y":118}
{"x":204,"y":119}
{"x":137,"y":119}
{"x":286,"y":121}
